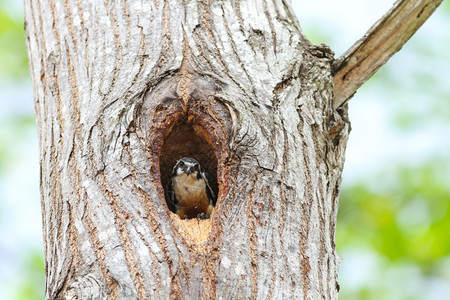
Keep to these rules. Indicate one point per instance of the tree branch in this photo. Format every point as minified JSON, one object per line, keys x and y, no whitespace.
{"x":374,"y":49}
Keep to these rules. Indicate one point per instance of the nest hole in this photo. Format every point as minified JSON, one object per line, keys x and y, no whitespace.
{"x":186,"y":140}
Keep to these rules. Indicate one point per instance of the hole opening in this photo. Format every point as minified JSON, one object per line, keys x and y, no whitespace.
{"x":186,"y":140}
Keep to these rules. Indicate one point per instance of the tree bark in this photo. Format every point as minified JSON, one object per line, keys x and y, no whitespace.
{"x":123,"y":89}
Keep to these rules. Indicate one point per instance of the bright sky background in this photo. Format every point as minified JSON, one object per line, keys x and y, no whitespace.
{"x":350,"y":19}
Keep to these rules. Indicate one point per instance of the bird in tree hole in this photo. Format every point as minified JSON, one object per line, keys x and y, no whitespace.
{"x":190,"y":190}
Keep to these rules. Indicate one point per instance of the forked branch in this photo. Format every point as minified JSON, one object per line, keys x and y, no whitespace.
{"x":374,"y":49}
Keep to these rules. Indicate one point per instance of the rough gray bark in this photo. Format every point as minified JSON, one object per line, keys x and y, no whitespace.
{"x":124,"y":88}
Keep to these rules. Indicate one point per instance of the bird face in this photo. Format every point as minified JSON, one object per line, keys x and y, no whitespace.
{"x":187,"y":166}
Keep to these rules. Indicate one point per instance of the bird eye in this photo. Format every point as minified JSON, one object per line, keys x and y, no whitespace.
{"x":181,"y":163}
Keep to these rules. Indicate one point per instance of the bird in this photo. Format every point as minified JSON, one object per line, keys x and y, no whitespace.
{"x":190,"y":190}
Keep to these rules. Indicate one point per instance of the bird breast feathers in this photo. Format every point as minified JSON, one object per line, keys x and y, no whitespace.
{"x":188,"y":186}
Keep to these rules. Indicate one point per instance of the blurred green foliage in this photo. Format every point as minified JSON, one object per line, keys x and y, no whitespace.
{"x":446,"y":6}
{"x":403,"y":214}
{"x":28,"y":281}
{"x":400,"y":223}
{"x":30,"y":285}
{"x":13,"y":55}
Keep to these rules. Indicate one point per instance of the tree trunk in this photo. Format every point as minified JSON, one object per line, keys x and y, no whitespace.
{"x":123,"y":89}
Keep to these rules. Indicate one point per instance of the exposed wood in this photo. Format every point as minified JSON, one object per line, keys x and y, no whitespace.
{"x":383,"y":40}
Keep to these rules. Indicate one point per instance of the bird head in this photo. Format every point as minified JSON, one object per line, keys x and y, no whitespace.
{"x":187,"y":166}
